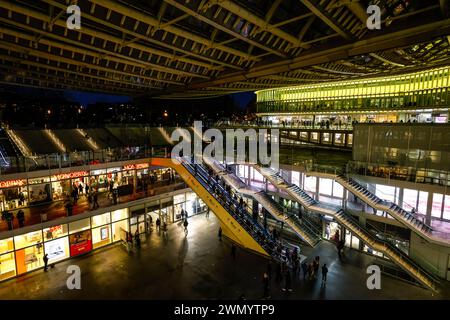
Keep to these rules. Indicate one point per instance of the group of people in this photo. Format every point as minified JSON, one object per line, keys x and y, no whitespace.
{"x":286,"y":273}
{"x":9,"y":218}
{"x":75,"y":195}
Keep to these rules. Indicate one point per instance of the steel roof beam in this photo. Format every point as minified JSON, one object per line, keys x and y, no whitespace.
{"x":218,"y":26}
{"x":145,"y":18}
{"x":257,"y":21}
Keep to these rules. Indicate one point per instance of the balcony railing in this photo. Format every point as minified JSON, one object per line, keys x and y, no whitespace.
{"x":76,"y":159}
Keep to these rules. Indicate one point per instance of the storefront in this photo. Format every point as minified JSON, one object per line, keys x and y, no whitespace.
{"x":39,"y":190}
{"x":62,"y":184}
{"x":98,"y":180}
{"x":13,"y":194}
{"x":25,"y":252}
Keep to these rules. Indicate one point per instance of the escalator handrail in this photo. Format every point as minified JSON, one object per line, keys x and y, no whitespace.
{"x":248,"y":223}
{"x":388,"y":245}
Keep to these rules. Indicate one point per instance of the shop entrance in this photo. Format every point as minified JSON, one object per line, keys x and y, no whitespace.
{"x":137,"y":220}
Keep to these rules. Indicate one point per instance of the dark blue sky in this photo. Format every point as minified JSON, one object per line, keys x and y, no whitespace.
{"x":85,"y":98}
{"x":242,"y":99}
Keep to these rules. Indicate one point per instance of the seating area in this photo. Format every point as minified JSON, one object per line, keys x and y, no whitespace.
{"x":37,"y":141}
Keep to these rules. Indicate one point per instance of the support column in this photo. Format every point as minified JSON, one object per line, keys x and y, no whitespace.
{"x":400,"y":199}
{"x":317,"y":188}
{"x":248,"y":175}
{"x":344,"y":199}
{"x":429,"y":208}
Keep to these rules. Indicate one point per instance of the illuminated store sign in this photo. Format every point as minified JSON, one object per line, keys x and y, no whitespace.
{"x":12,"y":183}
{"x":135,"y":166}
{"x":70,"y":175}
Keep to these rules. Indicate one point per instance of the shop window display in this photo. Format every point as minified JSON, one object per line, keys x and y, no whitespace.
{"x":6,"y":245}
{"x":7,"y":266}
{"x":80,"y":243}
{"x":40,"y":193}
{"x":28,"y":239}
{"x":61,"y":189}
{"x":101,"y":236}
{"x":55,"y":232}
{"x":30,"y":258}
{"x":57,"y":250}
{"x":12,"y":198}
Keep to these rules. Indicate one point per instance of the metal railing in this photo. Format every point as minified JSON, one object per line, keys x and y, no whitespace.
{"x":396,"y":172}
{"x":81,"y":158}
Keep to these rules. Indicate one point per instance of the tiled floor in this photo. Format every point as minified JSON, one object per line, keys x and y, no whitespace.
{"x":200,"y":266}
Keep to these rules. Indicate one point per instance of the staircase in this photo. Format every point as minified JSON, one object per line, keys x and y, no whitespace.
{"x":238,"y":213}
{"x":396,"y":255}
{"x":20,"y":144}
{"x":400,"y":214}
{"x":302,"y":228}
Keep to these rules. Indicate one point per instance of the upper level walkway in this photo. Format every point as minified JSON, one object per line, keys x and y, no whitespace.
{"x":56,"y":209}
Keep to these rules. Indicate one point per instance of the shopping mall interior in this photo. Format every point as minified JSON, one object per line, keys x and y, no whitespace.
{"x":115,"y":153}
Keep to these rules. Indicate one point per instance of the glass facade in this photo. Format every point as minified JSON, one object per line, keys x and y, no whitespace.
{"x":25,"y":252}
{"x":20,"y":193}
{"x":423,"y":89}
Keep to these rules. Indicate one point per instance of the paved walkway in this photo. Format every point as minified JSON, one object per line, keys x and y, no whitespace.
{"x":200,"y":266}
{"x":57,"y":209}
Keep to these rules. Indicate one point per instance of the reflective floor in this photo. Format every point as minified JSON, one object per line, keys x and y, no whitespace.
{"x":200,"y":266}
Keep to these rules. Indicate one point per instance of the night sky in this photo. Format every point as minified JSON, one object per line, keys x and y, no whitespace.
{"x":85,"y":98}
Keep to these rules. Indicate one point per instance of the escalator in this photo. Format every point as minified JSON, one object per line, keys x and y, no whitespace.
{"x":300,"y":226}
{"x":401,"y":215}
{"x":235,"y":222}
{"x":345,"y":219}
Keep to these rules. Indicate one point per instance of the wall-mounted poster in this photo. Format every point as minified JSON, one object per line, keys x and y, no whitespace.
{"x":104,"y":233}
{"x":80,"y":242}
{"x":56,"y":249}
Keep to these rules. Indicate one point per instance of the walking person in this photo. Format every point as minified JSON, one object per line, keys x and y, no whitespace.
{"x":95,"y":199}
{"x":137,"y":239}
{"x":185,"y":224}
{"x":304,"y":269}
{"x":288,"y":281}
{"x":45,"y":262}
{"x":158,"y":224}
{"x":316,"y":265}
{"x":324,"y":274}
{"x":220,"y":234}
{"x":310,"y":271}
{"x":80,"y":189}
{"x":21,"y":218}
